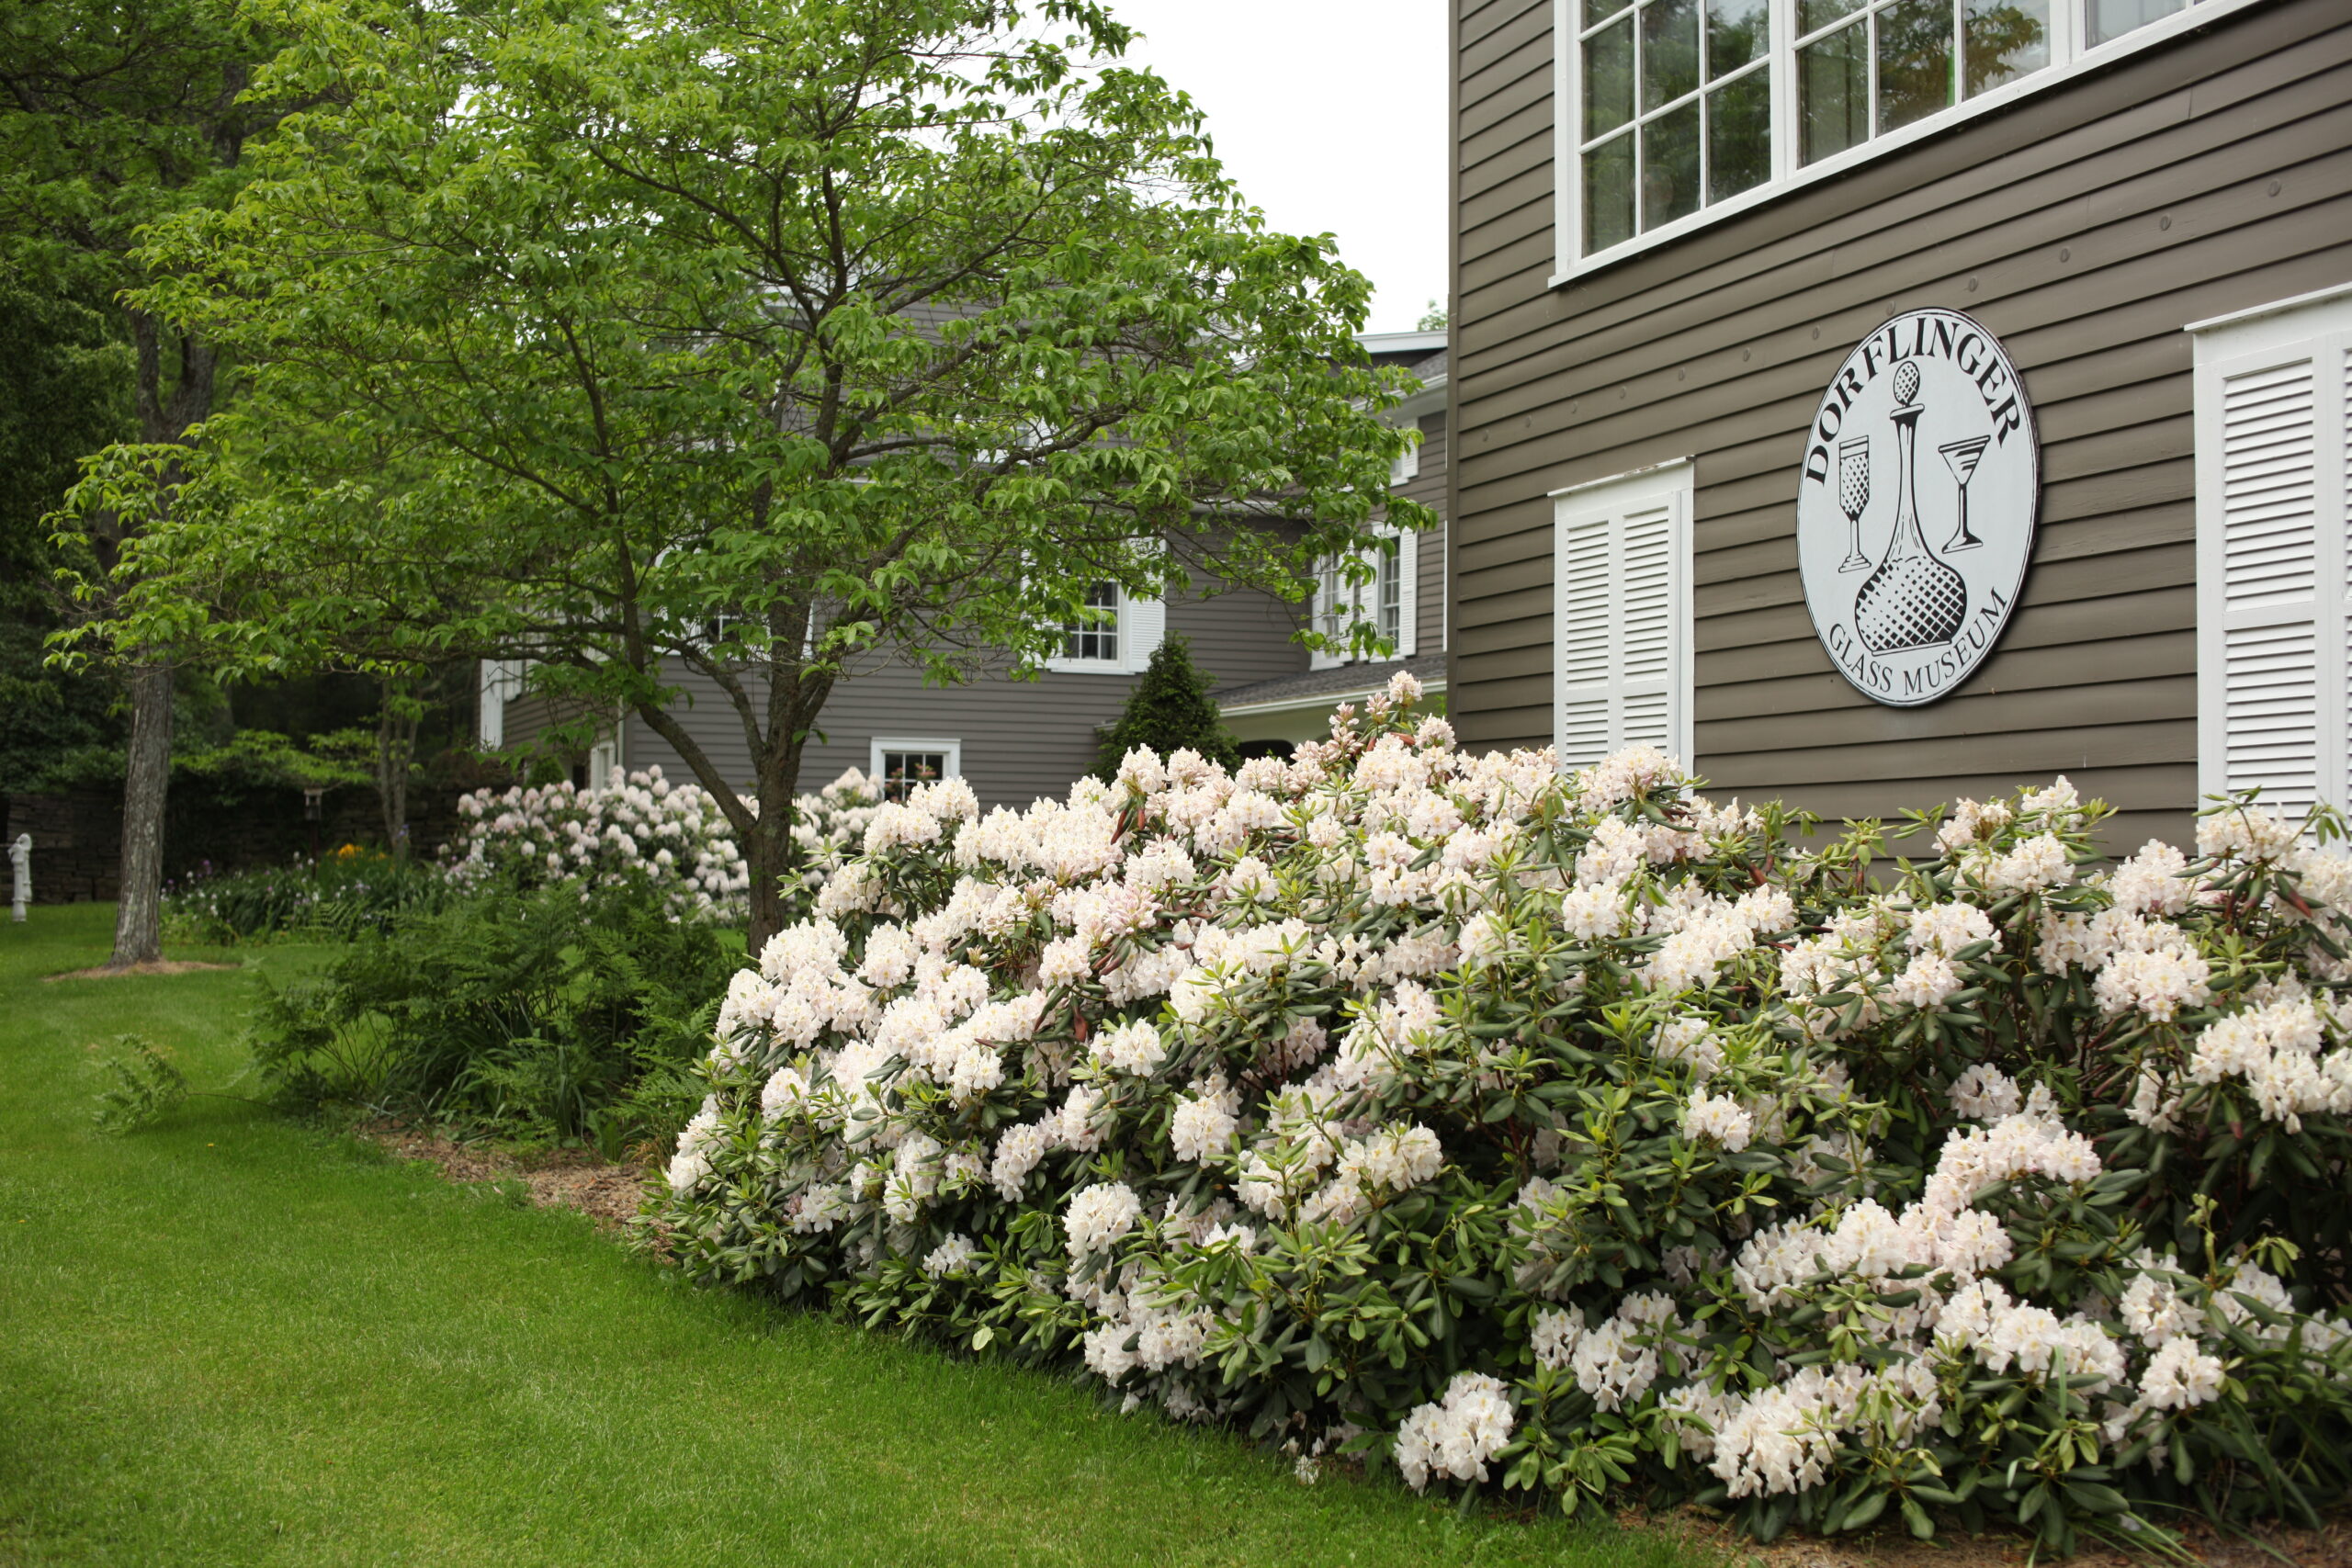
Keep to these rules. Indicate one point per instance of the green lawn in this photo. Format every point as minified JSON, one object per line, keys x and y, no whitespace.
{"x":227,"y":1339}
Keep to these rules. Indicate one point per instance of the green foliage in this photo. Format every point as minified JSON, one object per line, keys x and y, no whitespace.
{"x":546,"y":1013}
{"x":1169,"y":710}
{"x":771,"y":339}
{"x":118,"y":116}
{"x":64,"y":383}
{"x":337,"y":897}
{"x":147,"y":1087}
{"x":229,"y":1343}
{"x":1577,"y":1134}
{"x":1434,"y":318}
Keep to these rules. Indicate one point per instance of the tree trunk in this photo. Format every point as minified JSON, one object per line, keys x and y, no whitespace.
{"x":769,"y":853}
{"x":396,"y":725}
{"x":769,"y":858}
{"x":772,"y":856}
{"x":139,"y":920}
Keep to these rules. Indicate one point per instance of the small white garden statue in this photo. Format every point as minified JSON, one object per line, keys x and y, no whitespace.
{"x":20,"y":855}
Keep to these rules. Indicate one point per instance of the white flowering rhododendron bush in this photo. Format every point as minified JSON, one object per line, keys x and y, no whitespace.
{"x":1573,"y":1135}
{"x":642,"y":830}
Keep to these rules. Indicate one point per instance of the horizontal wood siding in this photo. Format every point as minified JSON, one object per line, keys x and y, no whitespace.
{"x":2085,"y":226}
{"x":1021,"y":739}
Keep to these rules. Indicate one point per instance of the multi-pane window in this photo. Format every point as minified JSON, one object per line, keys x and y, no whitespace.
{"x":1095,"y":634}
{"x":1406,"y":465}
{"x":1387,"y":601}
{"x":900,"y":771}
{"x":1390,"y":584}
{"x":1865,"y":69}
{"x":1113,"y":632}
{"x":1678,"y":106}
{"x":1676,"y":97}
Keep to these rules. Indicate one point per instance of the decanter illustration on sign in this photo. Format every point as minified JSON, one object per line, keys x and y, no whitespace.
{"x":1854,"y":498}
{"x":1913,"y":600}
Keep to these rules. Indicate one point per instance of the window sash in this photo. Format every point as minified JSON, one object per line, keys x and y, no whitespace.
{"x":1389,"y":601}
{"x":2070,"y":47}
{"x":1094,"y":639}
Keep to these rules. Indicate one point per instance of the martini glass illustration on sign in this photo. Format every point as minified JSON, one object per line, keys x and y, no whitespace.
{"x":1913,"y":600}
{"x":1854,"y":498}
{"x":1962,"y":458}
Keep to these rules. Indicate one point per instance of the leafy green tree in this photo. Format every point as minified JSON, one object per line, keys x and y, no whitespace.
{"x":1169,"y":709}
{"x":119,"y":115}
{"x":761,"y":338}
{"x":64,"y":391}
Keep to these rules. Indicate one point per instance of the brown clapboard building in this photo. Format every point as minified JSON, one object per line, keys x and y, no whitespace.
{"x":1882,"y":401}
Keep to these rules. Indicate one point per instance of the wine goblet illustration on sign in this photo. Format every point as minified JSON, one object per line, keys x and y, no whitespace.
{"x":1913,"y":600}
{"x":1962,"y":458}
{"x":1854,"y":498}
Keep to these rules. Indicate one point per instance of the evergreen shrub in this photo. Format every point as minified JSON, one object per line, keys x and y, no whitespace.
{"x":1169,"y":711}
{"x":1576,"y":1135}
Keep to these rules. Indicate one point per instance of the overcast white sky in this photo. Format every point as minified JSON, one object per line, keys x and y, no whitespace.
{"x":1330,"y":116}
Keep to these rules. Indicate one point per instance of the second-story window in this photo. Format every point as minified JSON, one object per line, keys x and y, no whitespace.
{"x":1095,"y":634}
{"x":1678,"y":110}
{"x":1675,"y":107}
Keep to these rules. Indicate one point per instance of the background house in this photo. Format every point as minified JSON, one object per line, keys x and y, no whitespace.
{"x":1015,"y":739}
{"x":1407,"y":597}
{"x":1675,"y":220}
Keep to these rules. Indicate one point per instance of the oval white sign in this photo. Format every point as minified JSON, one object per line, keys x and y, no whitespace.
{"x":1915,"y":512}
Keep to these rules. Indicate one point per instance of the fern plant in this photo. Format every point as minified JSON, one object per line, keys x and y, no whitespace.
{"x":147,"y":1087}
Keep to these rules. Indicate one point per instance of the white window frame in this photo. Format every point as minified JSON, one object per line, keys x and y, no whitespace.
{"x":1118,"y":627}
{"x":2068,"y":59}
{"x":1142,"y":626}
{"x":604,"y":757}
{"x":1672,"y":483}
{"x":952,"y":749}
{"x":2316,"y":327}
{"x":1358,"y":595}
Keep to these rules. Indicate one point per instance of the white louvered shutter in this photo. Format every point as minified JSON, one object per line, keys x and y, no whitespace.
{"x":1623,"y":617}
{"x":2274,"y":597}
{"x":1144,"y":623}
{"x":502,"y":678}
{"x":1408,"y":593}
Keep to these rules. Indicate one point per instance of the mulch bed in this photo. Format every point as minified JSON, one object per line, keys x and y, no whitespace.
{"x":558,"y":1179}
{"x":153,"y":966}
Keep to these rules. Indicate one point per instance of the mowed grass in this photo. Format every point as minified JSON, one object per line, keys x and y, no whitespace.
{"x":230,"y":1339}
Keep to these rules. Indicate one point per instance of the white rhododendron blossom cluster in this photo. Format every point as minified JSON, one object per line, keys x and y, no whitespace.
{"x":1565,"y":1131}
{"x":639,"y":827}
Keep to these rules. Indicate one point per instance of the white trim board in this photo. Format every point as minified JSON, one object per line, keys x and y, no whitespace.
{"x":1326,"y":700}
